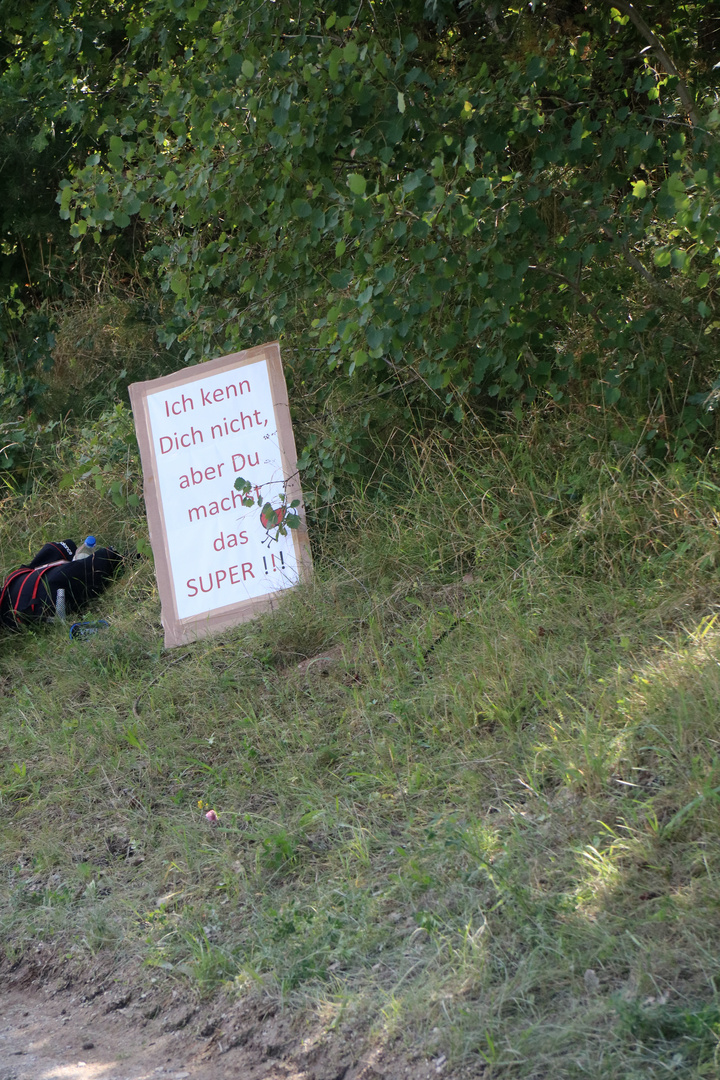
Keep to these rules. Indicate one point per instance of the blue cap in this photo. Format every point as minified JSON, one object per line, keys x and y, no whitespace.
{"x":90,"y":541}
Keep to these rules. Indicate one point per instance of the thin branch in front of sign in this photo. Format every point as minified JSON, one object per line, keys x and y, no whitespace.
{"x":280,"y":518}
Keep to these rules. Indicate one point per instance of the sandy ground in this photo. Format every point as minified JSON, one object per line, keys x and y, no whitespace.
{"x":109,"y":1032}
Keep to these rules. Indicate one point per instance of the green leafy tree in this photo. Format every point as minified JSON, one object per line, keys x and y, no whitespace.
{"x":497,"y":200}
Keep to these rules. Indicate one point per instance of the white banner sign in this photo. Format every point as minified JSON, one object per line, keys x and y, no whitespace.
{"x":199,"y":431}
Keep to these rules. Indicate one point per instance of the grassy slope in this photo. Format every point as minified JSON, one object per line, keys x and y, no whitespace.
{"x":491,"y":826}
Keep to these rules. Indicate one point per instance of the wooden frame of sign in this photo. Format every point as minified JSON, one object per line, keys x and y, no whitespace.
{"x":199,"y":430}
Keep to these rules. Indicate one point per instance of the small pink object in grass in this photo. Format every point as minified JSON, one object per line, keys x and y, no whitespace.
{"x":212,"y":817}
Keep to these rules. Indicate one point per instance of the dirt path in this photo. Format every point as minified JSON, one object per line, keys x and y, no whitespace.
{"x":117,"y":1034}
{"x":53,"y":1038}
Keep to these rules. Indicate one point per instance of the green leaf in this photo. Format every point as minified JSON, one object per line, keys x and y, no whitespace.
{"x":401,"y":102}
{"x":269,"y":517}
{"x":341,"y":279}
{"x":248,"y":69}
{"x":385,"y":274}
{"x":357,"y":183}
{"x":639,"y":189}
{"x":178,"y":283}
{"x":675,"y":185}
{"x":334,"y":63}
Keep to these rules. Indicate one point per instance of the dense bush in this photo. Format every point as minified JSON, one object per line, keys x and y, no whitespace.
{"x":493,"y":200}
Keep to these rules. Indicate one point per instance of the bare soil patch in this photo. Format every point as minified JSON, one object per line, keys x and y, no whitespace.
{"x":96,"y":1028}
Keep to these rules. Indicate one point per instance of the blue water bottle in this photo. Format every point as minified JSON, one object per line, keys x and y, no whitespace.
{"x":85,"y":549}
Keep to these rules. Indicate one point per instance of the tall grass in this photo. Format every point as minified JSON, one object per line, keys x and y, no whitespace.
{"x":488,"y":824}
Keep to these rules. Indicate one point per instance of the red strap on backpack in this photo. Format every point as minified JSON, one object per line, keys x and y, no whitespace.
{"x":65,"y":556}
{"x":8,"y":582}
{"x":26,"y":573}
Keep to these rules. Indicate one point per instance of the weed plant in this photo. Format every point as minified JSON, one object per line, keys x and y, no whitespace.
{"x":488,"y":824}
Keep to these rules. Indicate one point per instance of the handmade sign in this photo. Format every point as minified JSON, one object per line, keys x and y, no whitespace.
{"x":219,"y":560}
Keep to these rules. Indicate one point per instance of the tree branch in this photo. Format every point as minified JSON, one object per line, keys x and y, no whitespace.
{"x":624,"y":248}
{"x":639,"y":23}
